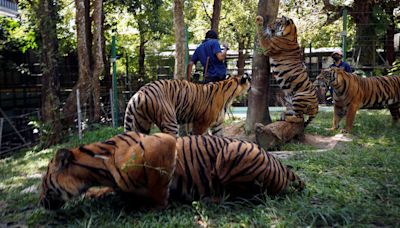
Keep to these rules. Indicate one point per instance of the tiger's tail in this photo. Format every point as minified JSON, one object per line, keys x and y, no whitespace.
{"x":295,"y":180}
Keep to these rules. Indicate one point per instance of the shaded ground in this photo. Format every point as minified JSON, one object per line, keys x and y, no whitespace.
{"x":320,"y":143}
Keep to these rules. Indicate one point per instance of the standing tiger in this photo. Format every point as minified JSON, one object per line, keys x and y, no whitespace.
{"x":134,"y":163}
{"x":168,"y":103}
{"x":208,"y":166}
{"x":279,"y":40}
{"x":352,"y":93}
{"x":202,"y":166}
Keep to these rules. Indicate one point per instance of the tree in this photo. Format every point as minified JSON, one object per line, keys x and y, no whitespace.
{"x":258,"y":97}
{"x":216,"y":15}
{"x":152,"y":21}
{"x":180,"y":40}
{"x":90,"y":58}
{"x":362,"y":13}
{"x":46,"y":12}
{"x":237,"y":27}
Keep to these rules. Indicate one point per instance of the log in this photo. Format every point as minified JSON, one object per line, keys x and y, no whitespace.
{"x":276,"y":134}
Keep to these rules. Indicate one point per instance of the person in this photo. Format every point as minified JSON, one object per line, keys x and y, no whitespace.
{"x":337,"y":56}
{"x":211,"y":56}
{"x":338,"y":62}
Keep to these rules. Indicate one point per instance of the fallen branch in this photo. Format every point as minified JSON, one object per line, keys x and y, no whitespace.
{"x":278,"y":133}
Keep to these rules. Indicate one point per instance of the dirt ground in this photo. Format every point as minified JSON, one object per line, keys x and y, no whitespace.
{"x":322,"y":143}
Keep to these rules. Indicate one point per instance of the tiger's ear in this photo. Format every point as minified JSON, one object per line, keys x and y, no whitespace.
{"x":286,"y":20}
{"x":63,"y":158}
{"x":245,"y":78}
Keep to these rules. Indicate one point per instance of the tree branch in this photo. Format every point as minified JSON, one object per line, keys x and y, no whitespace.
{"x":332,"y":11}
{"x":205,"y":10}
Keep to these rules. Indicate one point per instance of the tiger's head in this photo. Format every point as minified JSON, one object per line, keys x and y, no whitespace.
{"x":283,"y":30}
{"x":330,"y":77}
{"x":60,"y":183}
{"x":131,"y":162}
{"x":238,"y":84}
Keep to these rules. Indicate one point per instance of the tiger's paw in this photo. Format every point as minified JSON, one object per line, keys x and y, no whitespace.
{"x":98,"y":192}
{"x":331,"y":129}
{"x":259,"y":20}
{"x":344,"y":131}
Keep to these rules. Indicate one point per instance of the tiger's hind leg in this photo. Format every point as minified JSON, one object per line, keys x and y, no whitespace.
{"x":167,"y":123}
{"x":135,"y":119}
{"x":395,"y":112}
{"x":133,"y":123}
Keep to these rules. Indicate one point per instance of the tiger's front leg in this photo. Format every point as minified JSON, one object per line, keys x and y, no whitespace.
{"x":351,"y":114}
{"x":338,"y":114}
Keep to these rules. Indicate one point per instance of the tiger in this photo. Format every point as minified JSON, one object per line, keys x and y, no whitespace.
{"x":158,"y":166}
{"x":168,"y":103}
{"x":209,"y":167}
{"x":136,"y":164}
{"x":279,"y":41}
{"x":352,"y":92}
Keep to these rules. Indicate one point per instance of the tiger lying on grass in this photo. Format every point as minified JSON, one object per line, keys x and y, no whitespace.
{"x":205,"y":166}
{"x":168,"y":103}
{"x":353,"y":92}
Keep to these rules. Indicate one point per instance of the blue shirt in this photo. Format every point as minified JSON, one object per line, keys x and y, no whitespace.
{"x":209,"y":48}
{"x":345,"y":66}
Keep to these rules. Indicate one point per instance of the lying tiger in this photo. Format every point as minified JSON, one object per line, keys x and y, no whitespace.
{"x":168,"y":103}
{"x":352,"y":93}
{"x":204,"y":166}
{"x":279,"y":41}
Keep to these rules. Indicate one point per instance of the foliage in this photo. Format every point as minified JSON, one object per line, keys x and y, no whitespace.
{"x":346,"y":186}
{"x":311,"y":27}
{"x":15,"y":35}
{"x":395,"y":70}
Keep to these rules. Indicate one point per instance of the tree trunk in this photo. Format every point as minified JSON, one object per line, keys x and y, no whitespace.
{"x":365,"y":44}
{"x":180,"y":40}
{"x":84,"y":80}
{"x":97,"y":54}
{"x":142,"y":55}
{"x":46,"y":12}
{"x":216,"y":15}
{"x":259,"y":94}
{"x":242,"y":57}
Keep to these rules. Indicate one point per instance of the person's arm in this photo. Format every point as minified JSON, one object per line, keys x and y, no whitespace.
{"x":189,"y":70}
{"x":348,"y":68}
{"x":222,"y":55}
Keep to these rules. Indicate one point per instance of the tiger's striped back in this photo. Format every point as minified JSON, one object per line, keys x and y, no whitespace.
{"x":279,"y":41}
{"x":168,"y":103}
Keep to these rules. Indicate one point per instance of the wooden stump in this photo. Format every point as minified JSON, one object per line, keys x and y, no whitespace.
{"x":279,"y":132}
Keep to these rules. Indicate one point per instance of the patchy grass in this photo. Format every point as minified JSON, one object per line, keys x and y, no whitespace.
{"x":355,"y":184}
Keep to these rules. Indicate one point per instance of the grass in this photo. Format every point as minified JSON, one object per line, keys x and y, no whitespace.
{"x":356,"y":184}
